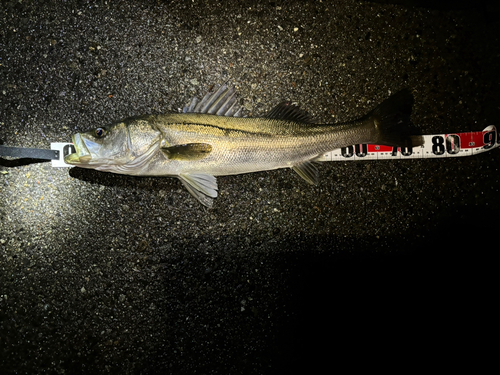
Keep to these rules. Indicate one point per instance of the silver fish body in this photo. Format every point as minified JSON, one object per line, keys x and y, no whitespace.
{"x":243,"y":145}
{"x":207,"y":141}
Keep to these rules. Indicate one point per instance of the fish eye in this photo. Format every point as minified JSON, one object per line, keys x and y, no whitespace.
{"x":100,"y":132}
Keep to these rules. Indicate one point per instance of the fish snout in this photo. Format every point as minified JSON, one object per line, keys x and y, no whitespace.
{"x":82,"y":154}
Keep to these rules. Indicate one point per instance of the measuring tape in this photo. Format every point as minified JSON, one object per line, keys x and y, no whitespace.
{"x":435,"y":146}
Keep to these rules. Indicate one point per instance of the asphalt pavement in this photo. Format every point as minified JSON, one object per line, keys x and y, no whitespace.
{"x":104,"y":273}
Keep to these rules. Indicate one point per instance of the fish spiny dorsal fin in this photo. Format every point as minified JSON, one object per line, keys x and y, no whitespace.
{"x":223,"y":102}
{"x":290,"y":112}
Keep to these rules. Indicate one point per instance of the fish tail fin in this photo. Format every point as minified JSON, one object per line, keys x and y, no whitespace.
{"x":391,"y":120}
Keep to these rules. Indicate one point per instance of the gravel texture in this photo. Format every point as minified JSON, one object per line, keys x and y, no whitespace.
{"x":101,"y":273}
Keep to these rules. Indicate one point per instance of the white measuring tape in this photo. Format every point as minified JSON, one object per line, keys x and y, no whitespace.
{"x":435,"y":146}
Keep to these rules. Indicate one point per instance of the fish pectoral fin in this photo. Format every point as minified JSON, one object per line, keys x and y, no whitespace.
{"x":308,"y":171}
{"x":202,"y":186}
{"x":187,"y":152}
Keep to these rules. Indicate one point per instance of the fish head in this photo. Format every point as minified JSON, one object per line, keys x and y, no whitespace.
{"x":112,"y":148}
{"x":100,"y":146}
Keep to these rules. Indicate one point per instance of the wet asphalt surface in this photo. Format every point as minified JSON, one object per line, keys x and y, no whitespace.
{"x":101,"y":273}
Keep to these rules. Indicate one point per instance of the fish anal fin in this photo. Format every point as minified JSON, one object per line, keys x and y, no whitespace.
{"x":308,"y":171}
{"x":288,"y":111}
{"x":187,"y":152}
{"x":202,"y":186}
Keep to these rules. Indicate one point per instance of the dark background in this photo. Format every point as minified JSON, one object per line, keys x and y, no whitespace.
{"x":383,"y":265}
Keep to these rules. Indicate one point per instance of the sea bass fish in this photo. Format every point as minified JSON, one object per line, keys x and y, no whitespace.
{"x":210,"y":138}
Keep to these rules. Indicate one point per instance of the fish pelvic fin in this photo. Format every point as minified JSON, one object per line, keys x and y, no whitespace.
{"x":202,"y":186}
{"x":392,"y":123}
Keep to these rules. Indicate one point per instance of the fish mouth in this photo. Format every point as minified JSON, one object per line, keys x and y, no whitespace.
{"x":82,"y":154}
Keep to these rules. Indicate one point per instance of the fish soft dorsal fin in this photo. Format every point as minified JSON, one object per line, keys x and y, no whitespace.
{"x":290,"y":112}
{"x":187,"y":152}
{"x":223,"y":102}
{"x":202,"y":186}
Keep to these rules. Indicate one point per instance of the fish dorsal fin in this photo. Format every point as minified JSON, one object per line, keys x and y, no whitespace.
{"x":189,"y":151}
{"x":223,"y":102}
{"x":202,"y":186}
{"x":308,"y":171}
{"x":290,"y":112}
